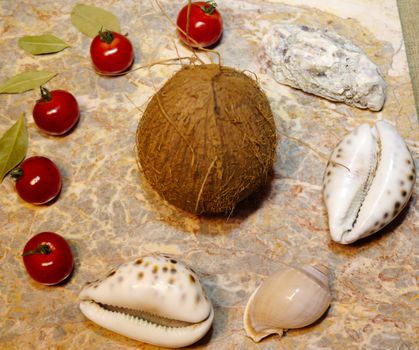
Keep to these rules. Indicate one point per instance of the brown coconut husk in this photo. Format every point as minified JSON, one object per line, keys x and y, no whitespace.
{"x":207,"y":139}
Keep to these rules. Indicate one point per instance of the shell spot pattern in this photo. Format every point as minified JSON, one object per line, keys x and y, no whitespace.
{"x":372,"y":181}
{"x":145,"y":303}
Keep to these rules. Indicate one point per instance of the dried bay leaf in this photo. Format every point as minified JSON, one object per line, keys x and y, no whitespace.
{"x":91,"y":19}
{"x":41,"y":44}
{"x":13,"y":146}
{"x":25,"y":81}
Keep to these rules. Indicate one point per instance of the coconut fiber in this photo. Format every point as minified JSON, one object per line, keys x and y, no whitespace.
{"x":207,"y":139}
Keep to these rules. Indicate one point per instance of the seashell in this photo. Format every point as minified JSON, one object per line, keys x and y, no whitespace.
{"x":290,"y":298}
{"x":154,"y":299}
{"x":368,"y":181}
{"x":325,"y":64}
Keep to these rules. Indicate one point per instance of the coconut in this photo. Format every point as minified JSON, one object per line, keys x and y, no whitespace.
{"x":207,"y":139}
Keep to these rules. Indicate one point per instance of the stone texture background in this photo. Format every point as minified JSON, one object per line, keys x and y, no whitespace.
{"x":109,"y":214}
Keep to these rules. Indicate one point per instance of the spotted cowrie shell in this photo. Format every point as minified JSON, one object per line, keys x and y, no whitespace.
{"x":154,"y":299}
{"x":368,"y":181}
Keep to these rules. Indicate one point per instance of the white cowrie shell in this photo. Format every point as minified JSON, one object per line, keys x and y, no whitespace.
{"x":154,"y":299}
{"x":368,"y":181}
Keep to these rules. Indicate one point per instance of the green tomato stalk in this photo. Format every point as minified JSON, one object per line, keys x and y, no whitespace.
{"x":106,"y":36}
{"x":210,"y":7}
{"x":43,"y":248}
{"x":45,"y":94}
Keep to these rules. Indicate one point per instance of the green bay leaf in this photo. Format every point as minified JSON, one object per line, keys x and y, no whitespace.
{"x":41,"y":44}
{"x":13,"y":146}
{"x":25,"y":81}
{"x":91,"y":19}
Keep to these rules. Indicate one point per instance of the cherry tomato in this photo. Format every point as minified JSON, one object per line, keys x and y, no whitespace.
{"x":205,"y":24}
{"x":111,"y":53}
{"x":56,"y":112}
{"x":48,"y":258}
{"x":38,"y":180}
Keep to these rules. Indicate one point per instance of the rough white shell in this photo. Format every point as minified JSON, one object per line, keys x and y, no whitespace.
{"x":368,"y":181}
{"x":325,"y":64}
{"x":290,"y":298}
{"x":154,"y":299}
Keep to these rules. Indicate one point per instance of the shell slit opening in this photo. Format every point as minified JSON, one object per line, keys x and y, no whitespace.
{"x":351,"y":219}
{"x":145,"y":316}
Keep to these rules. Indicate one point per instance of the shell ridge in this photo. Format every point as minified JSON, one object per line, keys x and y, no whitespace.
{"x":115,"y":313}
{"x":150,"y":317}
{"x":317,"y":274}
{"x":145,"y":331}
{"x":394,"y":153}
{"x":345,"y":182}
{"x":374,"y":165}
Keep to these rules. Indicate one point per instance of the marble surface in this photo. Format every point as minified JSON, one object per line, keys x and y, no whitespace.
{"x":109,"y":214}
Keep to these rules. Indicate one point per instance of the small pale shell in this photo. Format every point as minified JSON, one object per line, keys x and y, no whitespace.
{"x":368,"y":181}
{"x":290,"y":298}
{"x":154,"y":299}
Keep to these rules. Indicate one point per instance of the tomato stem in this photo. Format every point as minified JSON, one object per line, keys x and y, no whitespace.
{"x":45,"y":94}
{"x":210,"y":7}
{"x":106,"y":36}
{"x":16,"y":173}
{"x":43,"y":248}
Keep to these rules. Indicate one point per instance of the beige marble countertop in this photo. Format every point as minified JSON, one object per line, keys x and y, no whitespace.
{"x":110,"y":215}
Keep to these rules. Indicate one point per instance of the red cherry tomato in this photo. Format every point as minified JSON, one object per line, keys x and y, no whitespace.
{"x":205,"y":24}
{"x":38,"y":180}
{"x":48,"y":258}
{"x":111,"y":53}
{"x":56,"y":112}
